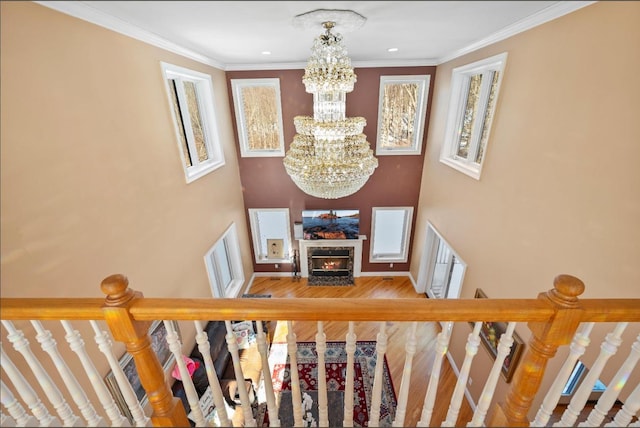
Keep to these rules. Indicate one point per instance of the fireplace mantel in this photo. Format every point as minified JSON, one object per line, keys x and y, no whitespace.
{"x":304,"y":244}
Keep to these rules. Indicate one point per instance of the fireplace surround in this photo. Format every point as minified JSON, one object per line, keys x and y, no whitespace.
{"x":330,"y":261}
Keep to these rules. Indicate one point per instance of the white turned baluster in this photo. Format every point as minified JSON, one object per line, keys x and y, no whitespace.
{"x":576,"y":350}
{"x":608,"y":348}
{"x":628,"y":411}
{"x":216,"y":391}
{"x":376,"y":393}
{"x":232,"y":344}
{"x":504,"y":347}
{"x":21,"y":344}
{"x":49,"y":345}
{"x":8,"y":421}
{"x":610,"y":395}
{"x":77,"y":345}
{"x":129,"y":395}
{"x":442,"y":344}
{"x":321,"y":347}
{"x":17,"y":412}
{"x":296,"y":395}
{"x":26,"y":392}
{"x":350,"y":347}
{"x":272,"y":407}
{"x":410,"y":349}
{"x":187,"y":382}
{"x":473,"y":342}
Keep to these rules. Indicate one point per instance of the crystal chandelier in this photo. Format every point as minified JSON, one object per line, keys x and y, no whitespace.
{"x":329,"y":157}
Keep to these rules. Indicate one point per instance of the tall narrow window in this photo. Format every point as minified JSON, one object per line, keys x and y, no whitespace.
{"x":474,"y":91}
{"x":390,"y":229}
{"x":191,"y":100}
{"x":442,"y":269}
{"x":271,"y":232}
{"x":224,"y":265}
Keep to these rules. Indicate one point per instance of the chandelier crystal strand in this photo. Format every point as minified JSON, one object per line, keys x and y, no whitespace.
{"x":329,"y":157}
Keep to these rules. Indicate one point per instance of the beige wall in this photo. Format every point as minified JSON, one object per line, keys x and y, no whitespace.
{"x":559,"y":191}
{"x":92,"y":182}
{"x":91,"y":176}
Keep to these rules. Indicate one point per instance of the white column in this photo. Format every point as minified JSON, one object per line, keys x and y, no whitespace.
{"x":272,"y":407}
{"x":504,"y":347}
{"x":77,"y":345}
{"x":49,"y":345}
{"x":296,"y":395}
{"x":129,"y":395}
{"x":232,"y":344}
{"x":15,"y":409}
{"x":376,"y":393}
{"x":403,"y":396}
{"x":350,"y":347}
{"x":21,"y":344}
{"x":608,"y":398}
{"x":608,"y":348}
{"x":576,"y":350}
{"x":442,"y":344}
{"x":26,"y":392}
{"x":628,"y":411}
{"x":321,"y":347}
{"x":216,"y":391}
{"x":192,"y":396}
{"x":473,"y":342}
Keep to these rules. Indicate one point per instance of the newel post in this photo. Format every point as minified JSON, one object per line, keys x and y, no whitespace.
{"x":544,"y":342}
{"x":167,"y":410}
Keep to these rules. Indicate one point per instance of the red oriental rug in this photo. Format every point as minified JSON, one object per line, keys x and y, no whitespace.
{"x":335,"y":366}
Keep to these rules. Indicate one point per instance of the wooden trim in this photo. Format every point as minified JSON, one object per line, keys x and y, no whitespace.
{"x":327,"y":309}
{"x":52,"y":309}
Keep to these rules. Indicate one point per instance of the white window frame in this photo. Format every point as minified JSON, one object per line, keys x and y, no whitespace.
{"x":212,"y":260}
{"x":428,"y":265}
{"x":460,"y":80}
{"x":380,"y":229}
{"x":260,"y":236}
{"x":205,"y":94}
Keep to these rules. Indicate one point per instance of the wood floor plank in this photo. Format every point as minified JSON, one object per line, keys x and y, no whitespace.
{"x":379,"y":287}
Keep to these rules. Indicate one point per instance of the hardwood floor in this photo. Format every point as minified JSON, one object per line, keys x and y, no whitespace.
{"x":396,"y":288}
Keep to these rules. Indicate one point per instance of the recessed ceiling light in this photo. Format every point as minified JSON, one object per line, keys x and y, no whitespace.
{"x":266,"y":52}
{"x":392,"y":50}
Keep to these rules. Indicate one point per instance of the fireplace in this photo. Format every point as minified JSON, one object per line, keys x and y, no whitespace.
{"x":330,"y":261}
{"x":330,"y":266}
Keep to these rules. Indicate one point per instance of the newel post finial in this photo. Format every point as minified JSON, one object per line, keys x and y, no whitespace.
{"x":167,"y":410}
{"x":546,"y":337}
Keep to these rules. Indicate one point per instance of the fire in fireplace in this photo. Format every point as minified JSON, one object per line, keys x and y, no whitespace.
{"x":332,"y":266}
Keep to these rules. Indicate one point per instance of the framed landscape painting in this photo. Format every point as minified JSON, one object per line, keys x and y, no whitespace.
{"x":258,"y":111}
{"x":402,"y":107}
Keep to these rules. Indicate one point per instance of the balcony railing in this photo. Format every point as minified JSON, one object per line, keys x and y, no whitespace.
{"x":555,"y":318}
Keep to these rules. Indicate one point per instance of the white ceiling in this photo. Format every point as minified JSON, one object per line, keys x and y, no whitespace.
{"x":233,"y":34}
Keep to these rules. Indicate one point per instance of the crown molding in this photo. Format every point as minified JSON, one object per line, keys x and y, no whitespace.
{"x":81,"y":10}
{"x":87,"y":13}
{"x":355,"y":64}
{"x":549,"y":14}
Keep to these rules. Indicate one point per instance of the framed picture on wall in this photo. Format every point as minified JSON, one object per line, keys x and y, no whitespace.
{"x":490,"y":334}
{"x":258,"y":111}
{"x":158,"y":336}
{"x":276,"y":248}
{"x":402,"y":107}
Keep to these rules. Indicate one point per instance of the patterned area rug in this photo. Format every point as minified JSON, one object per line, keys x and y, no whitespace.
{"x":335,"y":364}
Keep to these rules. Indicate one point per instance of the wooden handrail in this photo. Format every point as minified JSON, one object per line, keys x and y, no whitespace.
{"x":327,"y":309}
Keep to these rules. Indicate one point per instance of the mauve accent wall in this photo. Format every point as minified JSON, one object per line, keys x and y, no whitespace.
{"x":396,"y":181}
